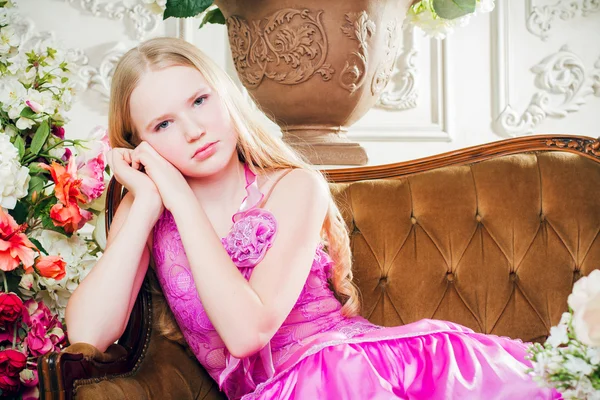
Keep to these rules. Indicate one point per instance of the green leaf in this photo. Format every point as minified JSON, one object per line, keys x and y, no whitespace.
{"x":19,"y":213}
{"x":185,"y":8}
{"x":36,"y":184}
{"x":34,"y":169}
{"x":20,"y":145}
{"x":41,"y":135}
{"x":39,"y":246}
{"x":48,"y":224}
{"x":214,"y":16}
{"x":451,"y":9}
{"x":27,"y":112}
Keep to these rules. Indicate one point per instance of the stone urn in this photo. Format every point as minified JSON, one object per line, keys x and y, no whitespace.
{"x":315,"y":66}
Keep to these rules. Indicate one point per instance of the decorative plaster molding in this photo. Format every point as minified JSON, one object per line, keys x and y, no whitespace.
{"x":99,"y":79}
{"x":439,"y":128}
{"x":560,"y":74}
{"x":143,"y":21}
{"x":541,"y":19}
{"x":402,"y":93}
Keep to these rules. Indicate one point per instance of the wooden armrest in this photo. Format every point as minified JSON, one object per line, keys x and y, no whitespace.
{"x":58,"y":371}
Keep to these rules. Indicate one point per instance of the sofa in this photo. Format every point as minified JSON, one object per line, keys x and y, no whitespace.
{"x":491,"y":236}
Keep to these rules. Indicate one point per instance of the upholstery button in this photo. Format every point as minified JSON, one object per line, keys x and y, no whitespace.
{"x":450,"y":276}
{"x":413,"y":220}
{"x":576,"y":274}
{"x":513,"y":276}
{"x":542,"y":217}
{"x":478,"y":218}
{"x":383,"y":281}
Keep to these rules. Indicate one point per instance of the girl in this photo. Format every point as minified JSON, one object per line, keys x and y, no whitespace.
{"x":253,"y":257}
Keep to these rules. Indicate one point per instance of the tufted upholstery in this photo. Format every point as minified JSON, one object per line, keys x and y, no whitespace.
{"x":492,"y":237}
{"x":495,"y":245}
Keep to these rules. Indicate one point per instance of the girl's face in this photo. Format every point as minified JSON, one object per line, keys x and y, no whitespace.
{"x":184,"y":120}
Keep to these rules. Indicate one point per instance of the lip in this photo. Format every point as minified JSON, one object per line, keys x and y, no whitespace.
{"x":205,"y":151}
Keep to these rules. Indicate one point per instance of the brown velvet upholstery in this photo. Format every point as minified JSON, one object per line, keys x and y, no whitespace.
{"x":492,"y":237}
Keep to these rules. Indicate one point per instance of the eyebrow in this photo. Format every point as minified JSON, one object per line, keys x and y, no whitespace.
{"x":203,"y":89}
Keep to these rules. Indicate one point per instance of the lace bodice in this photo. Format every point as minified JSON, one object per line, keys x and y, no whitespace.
{"x":254,"y":230}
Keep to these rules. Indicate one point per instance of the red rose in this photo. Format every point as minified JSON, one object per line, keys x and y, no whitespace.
{"x":10,"y":385}
{"x":11,"y":308}
{"x":12,"y":362}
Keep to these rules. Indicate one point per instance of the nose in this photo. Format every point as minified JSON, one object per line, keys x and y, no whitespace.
{"x":193,"y":130}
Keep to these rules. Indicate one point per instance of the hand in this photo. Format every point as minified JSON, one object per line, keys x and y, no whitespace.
{"x":138,"y":183}
{"x":167,"y":178}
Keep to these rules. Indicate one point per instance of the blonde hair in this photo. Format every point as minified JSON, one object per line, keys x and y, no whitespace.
{"x":261,"y":150}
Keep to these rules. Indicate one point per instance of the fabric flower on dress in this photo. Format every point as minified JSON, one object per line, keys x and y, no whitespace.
{"x":250,"y":237}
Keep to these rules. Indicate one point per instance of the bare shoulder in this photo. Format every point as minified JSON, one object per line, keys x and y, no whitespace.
{"x":300,"y":187}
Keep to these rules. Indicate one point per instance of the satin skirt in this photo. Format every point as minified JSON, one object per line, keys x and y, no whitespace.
{"x":427,"y":359}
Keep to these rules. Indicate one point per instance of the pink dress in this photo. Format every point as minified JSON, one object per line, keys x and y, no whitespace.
{"x":319,"y":354}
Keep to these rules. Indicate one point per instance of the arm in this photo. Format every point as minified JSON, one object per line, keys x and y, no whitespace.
{"x":257,"y":307}
{"x":98,"y":311}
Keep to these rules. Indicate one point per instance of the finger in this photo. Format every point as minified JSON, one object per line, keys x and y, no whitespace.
{"x":127,"y":157}
{"x":109,"y":159}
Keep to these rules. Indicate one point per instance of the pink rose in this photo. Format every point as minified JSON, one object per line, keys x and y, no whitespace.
{"x":37,"y":341}
{"x":11,"y":308}
{"x":12,"y":362}
{"x":46,"y":332}
{"x":38,"y":311}
{"x":92,"y":177}
{"x":95,"y":144}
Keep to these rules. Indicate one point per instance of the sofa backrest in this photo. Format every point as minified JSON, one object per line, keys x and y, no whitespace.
{"x":495,"y":245}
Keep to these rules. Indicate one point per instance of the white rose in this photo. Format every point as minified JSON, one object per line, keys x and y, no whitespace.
{"x":14,"y":178}
{"x":558,"y":336}
{"x":585,"y":302}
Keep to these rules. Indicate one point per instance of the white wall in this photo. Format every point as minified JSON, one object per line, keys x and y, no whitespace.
{"x":467,"y":86}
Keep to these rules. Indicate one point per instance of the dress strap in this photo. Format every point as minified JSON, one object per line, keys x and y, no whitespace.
{"x":253,"y":194}
{"x":254,"y":198}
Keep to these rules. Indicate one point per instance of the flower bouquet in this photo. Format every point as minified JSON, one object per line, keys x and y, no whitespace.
{"x":50,"y":187}
{"x":436,"y":18}
{"x":569,"y":360}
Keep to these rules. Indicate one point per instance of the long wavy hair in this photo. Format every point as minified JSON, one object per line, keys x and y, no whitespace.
{"x":256,"y":146}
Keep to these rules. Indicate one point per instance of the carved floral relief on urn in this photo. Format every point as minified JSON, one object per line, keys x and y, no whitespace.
{"x":316,"y":67}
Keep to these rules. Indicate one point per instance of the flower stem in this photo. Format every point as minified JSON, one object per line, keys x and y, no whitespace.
{"x":14,"y":342}
{"x":5,"y":282}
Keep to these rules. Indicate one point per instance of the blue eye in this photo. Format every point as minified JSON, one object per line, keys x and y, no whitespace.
{"x":162,"y":125}
{"x":200,"y":100}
